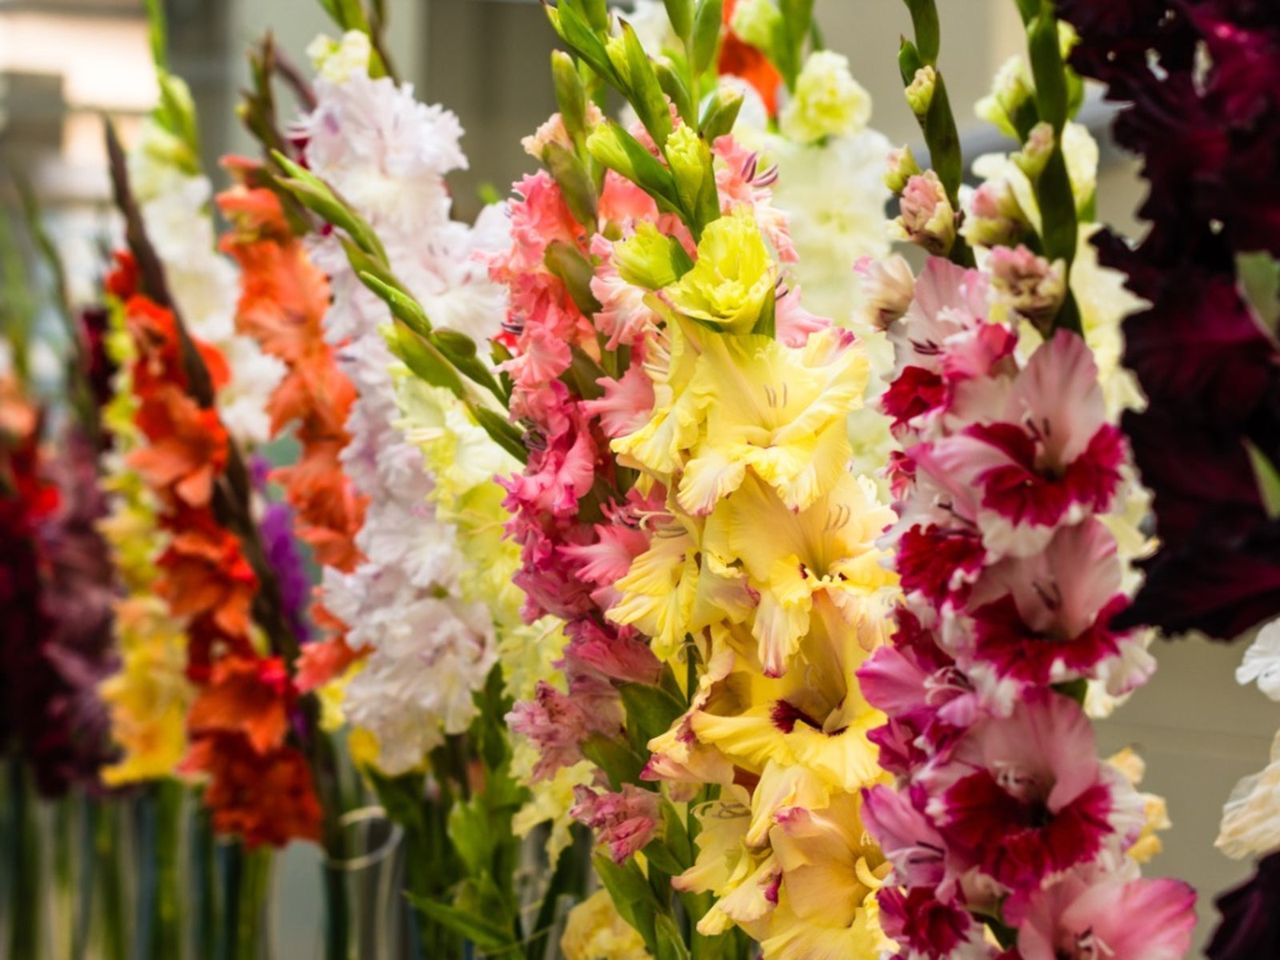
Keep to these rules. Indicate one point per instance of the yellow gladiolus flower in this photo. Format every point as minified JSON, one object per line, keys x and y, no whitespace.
{"x":813,"y":717}
{"x":827,"y":907}
{"x":826,"y":552}
{"x":732,"y":279}
{"x":778,"y":410}
{"x":596,"y":931}
{"x":680,"y":586}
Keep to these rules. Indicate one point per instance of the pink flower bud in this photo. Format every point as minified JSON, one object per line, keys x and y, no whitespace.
{"x":927,"y":217}
{"x":1029,"y":284}
{"x":625,"y":821}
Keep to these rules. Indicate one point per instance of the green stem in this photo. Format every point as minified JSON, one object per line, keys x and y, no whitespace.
{"x":108,"y":823}
{"x":24,"y":913}
{"x":84,"y":880}
{"x":64,"y":834}
{"x":167,"y":918}
{"x":253,"y":929}
{"x":203,"y":853}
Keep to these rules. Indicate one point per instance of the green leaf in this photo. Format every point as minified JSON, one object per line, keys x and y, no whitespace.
{"x":661,"y":857}
{"x":796,"y":17}
{"x":720,"y":114}
{"x":673,"y":86}
{"x":908,"y":61}
{"x":469,"y":829}
{"x":351,"y":16}
{"x":583,"y":375}
{"x":1075,"y":689}
{"x":1057,"y":200}
{"x":424,"y":360}
{"x":618,"y":150}
{"x":454,"y":344}
{"x":650,"y":711}
{"x":481,"y":931}
{"x":645,"y":90}
{"x":943,"y":138}
{"x":403,"y":307}
{"x":503,"y":432}
{"x":766,"y":324}
{"x":567,"y":263}
{"x":157,"y":33}
{"x":669,"y":943}
{"x":676,"y":835}
{"x":706,"y":34}
{"x":461,"y":352}
{"x":570,"y":24}
{"x":319,"y":198}
{"x":1260,"y":279}
{"x":620,"y":763}
{"x":1027,"y":9}
{"x":597,"y":14}
{"x":1268,"y":480}
{"x":361,"y":262}
{"x":631,"y":895}
{"x":177,"y":114}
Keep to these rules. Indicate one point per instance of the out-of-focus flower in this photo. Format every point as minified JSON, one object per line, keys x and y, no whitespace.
{"x":1250,"y":926}
{"x":596,"y":931}
{"x":827,"y":101}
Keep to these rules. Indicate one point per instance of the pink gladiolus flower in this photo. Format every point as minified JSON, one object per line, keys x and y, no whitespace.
{"x":1051,"y":459}
{"x":626,"y":404}
{"x":923,"y":925}
{"x":1024,"y":799}
{"x":1111,"y":918}
{"x":1046,"y":619}
{"x":625,"y":821}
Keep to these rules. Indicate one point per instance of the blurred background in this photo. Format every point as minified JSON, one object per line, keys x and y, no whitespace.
{"x":65,"y":62}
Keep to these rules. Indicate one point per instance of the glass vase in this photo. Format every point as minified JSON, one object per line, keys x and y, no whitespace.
{"x":365,"y":912}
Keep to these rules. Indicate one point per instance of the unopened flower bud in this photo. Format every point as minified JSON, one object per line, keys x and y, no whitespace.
{"x":1035,"y":153}
{"x":616,"y":48}
{"x":920,"y":91}
{"x":1029,"y":284}
{"x":902,"y":167}
{"x":995,"y":218}
{"x":927,"y":218}
{"x":647,"y":258}
{"x":1012,"y":88}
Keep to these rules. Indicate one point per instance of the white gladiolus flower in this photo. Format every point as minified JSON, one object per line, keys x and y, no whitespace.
{"x":430,"y":649}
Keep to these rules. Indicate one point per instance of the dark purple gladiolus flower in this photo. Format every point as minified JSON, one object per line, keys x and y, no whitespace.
{"x":1200,"y":80}
{"x":286,"y":561}
{"x":78,"y":594}
{"x":99,"y":367}
{"x":283,"y":554}
{"x":1250,"y":927}
{"x":56,"y":583}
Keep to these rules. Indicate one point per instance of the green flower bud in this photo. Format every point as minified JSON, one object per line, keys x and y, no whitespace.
{"x":919,"y":92}
{"x":902,"y":167}
{"x":648,"y":258}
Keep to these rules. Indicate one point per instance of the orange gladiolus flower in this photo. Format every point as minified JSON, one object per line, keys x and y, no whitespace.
{"x":740,"y":59}
{"x":187,"y":450}
{"x":245,"y":695}
{"x":282,"y":305}
{"x":259,"y":786}
{"x":262,"y":797}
